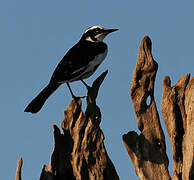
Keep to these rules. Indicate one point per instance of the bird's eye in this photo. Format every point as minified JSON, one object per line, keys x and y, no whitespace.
{"x":97,"y":30}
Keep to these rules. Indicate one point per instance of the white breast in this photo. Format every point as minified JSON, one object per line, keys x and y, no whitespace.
{"x":96,"y":61}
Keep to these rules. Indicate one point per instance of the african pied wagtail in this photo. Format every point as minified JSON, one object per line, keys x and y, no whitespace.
{"x":79,"y":63}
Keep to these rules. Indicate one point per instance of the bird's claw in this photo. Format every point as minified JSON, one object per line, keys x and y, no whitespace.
{"x":79,"y":97}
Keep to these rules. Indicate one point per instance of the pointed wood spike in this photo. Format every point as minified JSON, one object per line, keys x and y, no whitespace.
{"x":19,"y":170}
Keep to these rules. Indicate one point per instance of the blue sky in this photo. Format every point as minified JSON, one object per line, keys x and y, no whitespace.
{"x":35,"y":35}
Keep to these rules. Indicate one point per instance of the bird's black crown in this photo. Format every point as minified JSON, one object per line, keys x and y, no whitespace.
{"x":96,"y":33}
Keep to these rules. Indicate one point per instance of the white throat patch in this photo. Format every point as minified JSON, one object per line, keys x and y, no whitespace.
{"x":90,"y":39}
{"x":98,"y":37}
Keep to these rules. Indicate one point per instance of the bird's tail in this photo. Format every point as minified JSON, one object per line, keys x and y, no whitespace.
{"x":37,"y":103}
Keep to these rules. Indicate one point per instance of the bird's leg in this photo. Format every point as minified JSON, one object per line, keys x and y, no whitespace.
{"x":85,"y":84}
{"x":73,"y":96}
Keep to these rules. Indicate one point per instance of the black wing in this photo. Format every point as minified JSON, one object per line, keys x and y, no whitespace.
{"x":76,"y":60}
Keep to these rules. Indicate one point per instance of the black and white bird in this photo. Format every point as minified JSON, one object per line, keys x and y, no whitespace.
{"x":79,"y":63}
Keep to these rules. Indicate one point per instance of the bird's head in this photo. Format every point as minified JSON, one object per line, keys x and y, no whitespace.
{"x":96,"y":33}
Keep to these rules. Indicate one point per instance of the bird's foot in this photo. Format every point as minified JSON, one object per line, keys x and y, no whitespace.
{"x":76,"y":98}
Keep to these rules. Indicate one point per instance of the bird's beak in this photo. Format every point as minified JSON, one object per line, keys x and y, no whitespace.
{"x":110,"y":30}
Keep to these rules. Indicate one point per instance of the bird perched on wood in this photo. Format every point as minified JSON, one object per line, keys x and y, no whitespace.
{"x":79,"y":63}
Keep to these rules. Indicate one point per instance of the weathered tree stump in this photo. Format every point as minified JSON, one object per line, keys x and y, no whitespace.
{"x":148,"y":150}
{"x":79,"y":151}
{"x":178,"y":114}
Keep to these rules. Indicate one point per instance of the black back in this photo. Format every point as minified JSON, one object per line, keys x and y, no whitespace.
{"x":77,"y":57}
